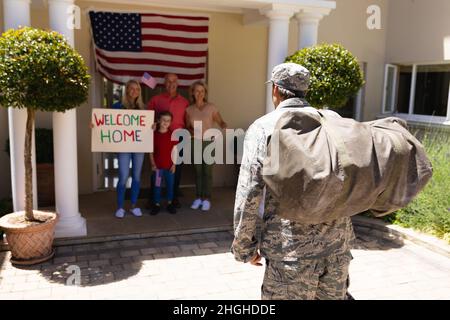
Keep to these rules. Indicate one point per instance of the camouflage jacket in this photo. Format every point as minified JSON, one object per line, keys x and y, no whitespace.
{"x":280,"y":239}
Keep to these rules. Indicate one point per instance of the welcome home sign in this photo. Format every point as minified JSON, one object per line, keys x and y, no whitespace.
{"x":122,"y":130}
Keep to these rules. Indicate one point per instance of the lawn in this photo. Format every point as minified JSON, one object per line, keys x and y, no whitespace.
{"x":430,"y":211}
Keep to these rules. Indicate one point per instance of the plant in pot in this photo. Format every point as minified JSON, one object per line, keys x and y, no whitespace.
{"x":39,"y":70}
{"x":335,"y":74}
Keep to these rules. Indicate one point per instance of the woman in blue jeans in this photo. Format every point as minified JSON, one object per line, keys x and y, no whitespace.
{"x":131,"y":100}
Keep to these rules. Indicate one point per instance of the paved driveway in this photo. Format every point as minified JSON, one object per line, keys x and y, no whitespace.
{"x":199,"y":266}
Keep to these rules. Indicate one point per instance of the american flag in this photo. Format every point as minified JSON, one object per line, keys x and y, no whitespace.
{"x":130,"y":44}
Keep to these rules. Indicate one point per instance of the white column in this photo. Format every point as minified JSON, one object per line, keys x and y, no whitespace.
{"x":278,"y":43}
{"x":16,"y":13}
{"x":71,"y":223}
{"x":308,"y":25}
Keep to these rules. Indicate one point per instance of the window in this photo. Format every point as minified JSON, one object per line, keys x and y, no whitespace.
{"x":432,"y":87}
{"x":420,"y":91}
{"x":404,"y":89}
{"x":389,"y":90}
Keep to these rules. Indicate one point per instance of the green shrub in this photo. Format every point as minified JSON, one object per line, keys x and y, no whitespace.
{"x":335,"y":74}
{"x":39,"y":70}
{"x":430,"y":211}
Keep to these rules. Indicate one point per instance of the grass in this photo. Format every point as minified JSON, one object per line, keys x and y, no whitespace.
{"x":430,"y":211}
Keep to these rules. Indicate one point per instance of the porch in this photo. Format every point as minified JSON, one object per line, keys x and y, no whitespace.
{"x":98,"y":210}
{"x":102,"y":226}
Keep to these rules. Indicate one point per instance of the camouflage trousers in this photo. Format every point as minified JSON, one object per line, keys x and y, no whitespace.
{"x":321,"y":279}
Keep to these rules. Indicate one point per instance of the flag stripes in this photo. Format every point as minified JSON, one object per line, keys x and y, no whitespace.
{"x":164,"y":44}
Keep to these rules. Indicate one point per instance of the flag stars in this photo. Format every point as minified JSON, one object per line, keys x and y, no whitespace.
{"x":117,"y":31}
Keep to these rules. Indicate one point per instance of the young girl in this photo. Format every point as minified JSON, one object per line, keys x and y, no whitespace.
{"x":164,"y":150}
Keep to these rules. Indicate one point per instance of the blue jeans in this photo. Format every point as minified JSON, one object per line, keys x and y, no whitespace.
{"x":157,"y":178}
{"x":124,"y":171}
{"x":178,"y":169}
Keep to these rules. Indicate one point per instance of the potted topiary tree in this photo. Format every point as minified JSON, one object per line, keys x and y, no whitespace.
{"x":39,"y":70}
{"x":335,"y":74}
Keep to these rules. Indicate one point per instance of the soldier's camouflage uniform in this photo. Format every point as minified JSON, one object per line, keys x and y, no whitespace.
{"x":302,"y":261}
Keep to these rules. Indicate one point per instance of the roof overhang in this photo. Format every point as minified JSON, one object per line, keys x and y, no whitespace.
{"x":251,"y":10}
{"x":231,"y":6}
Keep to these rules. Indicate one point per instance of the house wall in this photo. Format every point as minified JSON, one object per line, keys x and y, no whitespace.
{"x":417,"y":31}
{"x":347,"y":25}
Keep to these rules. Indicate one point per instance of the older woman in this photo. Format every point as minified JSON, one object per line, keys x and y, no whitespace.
{"x":132,"y":100}
{"x":206,"y":114}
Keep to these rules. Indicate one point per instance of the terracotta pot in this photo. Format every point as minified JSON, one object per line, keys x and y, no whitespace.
{"x":45,"y":173}
{"x":29,"y":243}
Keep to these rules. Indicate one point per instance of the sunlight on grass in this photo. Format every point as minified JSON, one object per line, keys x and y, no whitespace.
{"x":430,"y":211}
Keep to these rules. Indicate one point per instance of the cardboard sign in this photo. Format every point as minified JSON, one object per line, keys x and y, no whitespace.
{"x":122,"y":130}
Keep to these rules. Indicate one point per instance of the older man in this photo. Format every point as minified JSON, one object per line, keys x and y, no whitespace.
{"x":302,"y":261}
{"x":171,"y":101}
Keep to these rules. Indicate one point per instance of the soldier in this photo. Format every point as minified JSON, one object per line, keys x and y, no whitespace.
{"x":302,"y":261}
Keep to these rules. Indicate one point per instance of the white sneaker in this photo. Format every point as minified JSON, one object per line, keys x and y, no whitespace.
{"x":120,"y":213}
{"x":136,"y":212}
{"x":196,"y":204}
{"x":206,"y":205}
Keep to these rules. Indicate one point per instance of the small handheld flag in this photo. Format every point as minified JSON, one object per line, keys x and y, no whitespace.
{"x":158,"y":178}
{"x":148,"y":80}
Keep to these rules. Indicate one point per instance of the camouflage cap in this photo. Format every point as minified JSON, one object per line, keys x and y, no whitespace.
{"x":290,"y":76}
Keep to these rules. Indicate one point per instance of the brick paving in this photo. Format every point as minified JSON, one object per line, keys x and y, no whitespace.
{"x":199,"y":266}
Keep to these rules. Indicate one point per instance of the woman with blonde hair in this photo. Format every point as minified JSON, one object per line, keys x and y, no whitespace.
{"x":132,"y":100}
{"x":207,"y":115}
